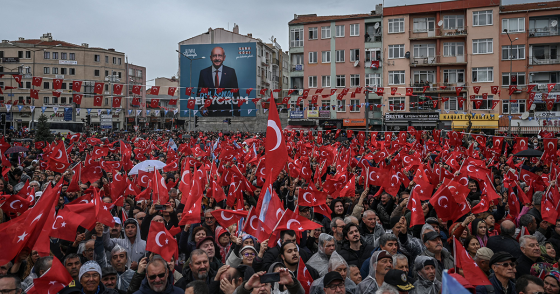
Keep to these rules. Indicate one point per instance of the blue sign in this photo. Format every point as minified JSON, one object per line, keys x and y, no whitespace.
{"x":9,"y":116}
{"x":296,"y":114}
{"x":236,"y":64}
{"x":67,"y":113}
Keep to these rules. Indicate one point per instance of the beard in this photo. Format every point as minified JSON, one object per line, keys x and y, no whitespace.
{"x":202,"y":275}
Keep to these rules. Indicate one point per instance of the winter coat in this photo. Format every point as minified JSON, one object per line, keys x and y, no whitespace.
{"x":356,"y":257}
{"x":170,"y":289}
{"x":317,"y":286}
{"x":188,"y":277}
{"x":371,"y":238}
{"x":447,"y":261}
{"x":423,"y":286}
{"x":504,"y":243}
{"x":498,"y":288}
{"x":123,"y":279}
{"x":135,"y":251}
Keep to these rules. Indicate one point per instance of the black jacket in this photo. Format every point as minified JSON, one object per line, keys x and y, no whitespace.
{"x":188,"y":277}
{"x":555,"y":240}
{"x":504,"y":243}
{"x":356,"y":257}
{"x":497,"y":285}
{"x":170,"y":289}
{"x":524,"y":265}
{"x":272,"y":255}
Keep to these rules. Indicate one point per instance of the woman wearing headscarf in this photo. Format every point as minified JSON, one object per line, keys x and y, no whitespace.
{"x":552,"y":282}
{"x":548,"y":253}
{"x":336,"y":264}
{"x":320,"y":260}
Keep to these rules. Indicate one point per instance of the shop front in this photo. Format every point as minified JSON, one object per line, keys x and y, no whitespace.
{"x":354,"y":123}
{"x":479,"y":123}
{"x":419,"y":120}
{"x":330,"y":124}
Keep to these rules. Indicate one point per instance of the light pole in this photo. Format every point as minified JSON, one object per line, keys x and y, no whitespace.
{"x":510,"y":73}
{"x":190,"y":79}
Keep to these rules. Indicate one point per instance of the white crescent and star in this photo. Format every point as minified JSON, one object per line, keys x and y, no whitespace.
{"x":274,"y":126}
{"x":292,"y":221}
{"x":225,"y":218}
{"x":157,"y":238}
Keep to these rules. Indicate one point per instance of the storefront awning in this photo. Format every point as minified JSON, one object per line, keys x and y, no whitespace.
{"x":529,"y":130}
{"x":476,"y":124}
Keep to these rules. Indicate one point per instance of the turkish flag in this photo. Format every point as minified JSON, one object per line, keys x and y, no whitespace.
{"x":475,"y":275}
{"x":349,"y":190}
{"x":154,"y":103}
{"x":136,"y":89}
{"x":217,"y":192}
{"x":415,"y":207}
{"x":275,"y":145}
{"x":514,"y":207}
{"x":97,"y":100}
{"x":208,"y":102}
{"x":54,"y":93}
{"x":136,"y":101}
{"x":191,"y":104}
{"x":66,"y":225}
{"x":155,"y":90}
{"x":160,"y":188}
{"x":494,"y":89}
{"x":263,"y":91}
{"x":458,"y":90}
{"x":495,"y":103}
{"x":393,"y":90}
{"x":103,"y":214}
{"x":550,"y":87}
{"x":311,"y":197}
{"x":77,"y":98}
{"x":550,"y":145}
{"x":192,"y":210}
{"x":172,"y":166}
{"x":173,"y":102}
{"x":302,"y":223}
{"x":116,"y":102}
{"x":409,"y":91}
{"x":379,"y":91}
{"x":303,"y":276}
{"x":227,"y":218}
{"x":476,"y":89}
{"x":98,"y":88}
{"x":34,"y":94}
{"x":117,"y":89}
{"x":548,"y":210}
{"x":57,"y":84}
{"x":15,"y":204}
{"x":188,"y":91}
{"x":53,"y":280}
{"x":76,"y":86}
{"x":18,"y":79}
{"x":37,"y":81}
{"x":324,"y":210}
{"x":444,"y":204}
{"x":160,"y":241}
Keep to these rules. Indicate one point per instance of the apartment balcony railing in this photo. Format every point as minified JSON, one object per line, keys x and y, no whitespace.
{"x":437,"y":33}
{"x":297,"y":67}
{"x":437,"y":60}
{"x":437,"y":87}
{"x":544,"y":59}
{"x":543,"y":32}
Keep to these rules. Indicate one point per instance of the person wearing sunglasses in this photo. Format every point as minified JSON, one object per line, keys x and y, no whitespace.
{"x":502,"y":280}
{"x":157,"y":279}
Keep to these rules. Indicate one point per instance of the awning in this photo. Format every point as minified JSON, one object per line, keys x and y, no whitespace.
{"x":529,"y":130}
{"x":476,"y":124}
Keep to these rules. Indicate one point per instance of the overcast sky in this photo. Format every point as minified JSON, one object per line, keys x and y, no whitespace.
{"x":148,"y":31}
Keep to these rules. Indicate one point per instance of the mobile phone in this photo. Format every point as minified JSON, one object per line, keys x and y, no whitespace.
{"x":160,"y":207}
{"x":270,"y":278}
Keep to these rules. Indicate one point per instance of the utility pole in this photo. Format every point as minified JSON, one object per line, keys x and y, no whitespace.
{"x":510,"y":74}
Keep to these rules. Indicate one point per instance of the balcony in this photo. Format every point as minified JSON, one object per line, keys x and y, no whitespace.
{"x":437,"y":88}
{"x":544,"y":59}
{"x":296,"y":68}
{"x":543,"y":54}
{"x":437,"y":61}
{"x":437,"y":33}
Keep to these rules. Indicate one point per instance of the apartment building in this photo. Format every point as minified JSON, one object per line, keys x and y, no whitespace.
{"x":529,"y":41}
{"x":135,"y":113}
{"x":447,"y":55}
{"x":341,"y":53}
{"x":165,"y":115}
{"x":52,"y":59}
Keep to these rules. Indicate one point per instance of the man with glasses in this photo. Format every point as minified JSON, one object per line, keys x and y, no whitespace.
{"x":503,"y":264}
{"x":90,"y":279}
{"x":531,"y":253}
{"x":156,"y":280}
{"x":333,"y":283}
{"x":337,"y":224}
{"x":10,"y":285}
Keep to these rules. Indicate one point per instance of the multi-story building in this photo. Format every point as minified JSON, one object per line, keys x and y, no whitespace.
{"x":52,"y":59}
{"x":442,"y":52}
{"x":529,"y":42}
{"x":335,"y":53}
{"x":135,"y":113}
{"x":165,"y":115}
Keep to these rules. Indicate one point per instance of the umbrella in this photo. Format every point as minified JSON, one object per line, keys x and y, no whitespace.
{"x":16,"y":149}
{"x":147,"y":165}
{"x":529,"y":153}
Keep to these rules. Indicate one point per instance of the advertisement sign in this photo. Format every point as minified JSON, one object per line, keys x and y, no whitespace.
{"x":225,"y":67}
{"x":106,"y":121}
{"x":324,"y":114}
{"x":313,"y":114}
{"x":412,"y":116}
{"x":68,"y":62}
{"x":361,"y":122}
{"x":296,"y":114}
{"x":68,"y":113}
{"x":466,"y":117}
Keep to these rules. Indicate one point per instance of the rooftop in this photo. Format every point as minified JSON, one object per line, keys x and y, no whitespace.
{"x":38,"y":42}
{"x":530,"y":6}
{"x":439,"y":7}
{"x":313,"y":18}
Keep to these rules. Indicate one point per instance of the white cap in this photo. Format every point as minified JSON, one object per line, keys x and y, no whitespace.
{"x":117,"y":220}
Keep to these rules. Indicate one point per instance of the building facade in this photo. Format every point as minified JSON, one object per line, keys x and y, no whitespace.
{"x":135,"y":112}
{"x":334,"y":59}
{"x":52,"y":59}
{"x":165,"y":115}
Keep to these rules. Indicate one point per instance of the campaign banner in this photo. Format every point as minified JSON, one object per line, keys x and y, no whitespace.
{"x":220,"y":80}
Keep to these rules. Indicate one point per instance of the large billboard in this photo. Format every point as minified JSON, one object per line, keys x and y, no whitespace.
{"x":227,"y":71}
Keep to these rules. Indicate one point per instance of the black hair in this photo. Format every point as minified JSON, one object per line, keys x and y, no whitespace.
{"x":347,"y":227}
{"x":283,"y":233}
{"x":284,"y":245}
{"x":199,"y":287}
{"x":523,"y":282}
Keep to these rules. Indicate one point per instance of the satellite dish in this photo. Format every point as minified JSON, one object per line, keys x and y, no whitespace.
{"x":554,"y":23}
{"x":376,"y":26}
{"x":440,"y":23}
{"x":525,"y":114}
{"x":356,"y":63}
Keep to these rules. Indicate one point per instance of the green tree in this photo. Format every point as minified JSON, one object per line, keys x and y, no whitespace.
{"x":43,"y":131}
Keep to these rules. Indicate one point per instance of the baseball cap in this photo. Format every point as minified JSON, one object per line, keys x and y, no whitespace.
{"x":431,"y":236}
{"x":501,"y":256}
{"x":384,"y":254}
{"x":117,"y":220}
{"x":108,"y":271}
{"x":204,"y":240}
{"x":432,"y":221}
{"x":331,"y":277}
{"x":398,"y":279}
{"x":484,"y":253}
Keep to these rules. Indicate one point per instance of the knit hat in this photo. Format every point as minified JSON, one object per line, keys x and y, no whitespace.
{"x":90,"y":266}
{"x":130,"y":221}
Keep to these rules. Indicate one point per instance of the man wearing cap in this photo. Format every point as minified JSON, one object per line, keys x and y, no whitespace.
{"x":90,"y":279}
{"x":379,"y":264}
{"x":118,"y":259}
{"x":482,"y":259}
{"x":109,"y":279}
{"x":502,"y":280}
{"x":333,"y":283}
{"x":132,"y":243}
{"x":209,"y":246}
{"x":398,"y":280}
{"x":434,"y":249}
{"x":116,"y":231}
{"x":427,"y":283}
{"x":288,"y":280}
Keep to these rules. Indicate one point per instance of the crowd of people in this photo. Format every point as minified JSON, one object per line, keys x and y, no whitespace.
{"x":371,"y":236}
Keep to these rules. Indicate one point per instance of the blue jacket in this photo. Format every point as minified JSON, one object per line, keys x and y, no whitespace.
{"x":498,"y":289}
{"x":170,"y":289}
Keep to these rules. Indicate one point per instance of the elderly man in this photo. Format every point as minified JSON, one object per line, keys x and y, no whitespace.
{"x":503,"y":265}
{"x":87,"y":254}
{"x":333,"y":283}
{"x":531,"y":254}
{"x":399,"y":280}
{"x":10,"y":285}
{"x":434,"y":248}
{"x":335,"y":264}
{"x":198,"y":269}
{"x":426,"y":270}
{"x":379,"y":264}
{"x":482,"y":259}
{"x":354,"y":274}
{"x":337,"y":224}
{"x":42,"y":265}
{"x":118,"y":260}
{"x":90,"y":279}
{"x":109,"y":278}
{"x":370,"y":229}
{"x":132,"y":243}
{"x":505,"y":241}
{"x":157,"y":279}
{"x":320,"y":260}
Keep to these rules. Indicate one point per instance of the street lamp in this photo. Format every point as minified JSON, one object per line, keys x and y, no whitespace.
{"x":510,"y":72}
{"x":190,"y":77}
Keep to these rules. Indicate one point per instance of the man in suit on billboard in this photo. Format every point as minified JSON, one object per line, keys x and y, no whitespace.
{"x":218,"y":76}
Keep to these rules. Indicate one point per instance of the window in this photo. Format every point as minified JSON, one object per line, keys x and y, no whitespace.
{"x":63,"y":70}
{"x":511,"y":107}
{"x":119,"y":74}
{"x":47,"y":55}
{"x":420,"y":25}
{"x":339,"y":31}
{"x":340,"y":81}
{"x":482,"y":74}
{"x":114,"y":60}
{"x":396,"y":103}
{"x":312,"y":57}
{"x":62,"y":100}
{"x":131,"y":72}
{"x":325,"y":32}
{"x":46,"y":85}
{"x":326,"y":81}
{"x":119,"y":61}
{"x":396,"y":51}
{"x":341,"y":106}
{"x":453,"y":76}
{"x":326,"y":56}
{"x":486,"y":104}
{"x":513,"y":25}
{"x":27,"y":54}
{"x":45,"y":100}
{"x":354,"y":30}
{"x":72,"y":56}
{"x":483,"y":46}
{"x":106,"y":59}
{"x":424,"y":50}
{"x":106,"y":73}
{"x":106,"y":101}
{"x":55,"y":70}
{"x":55,"y":55}
{"x":72,"y":71}
{"x":27,"y":85}
{"x":326,"y":104}
{"x":517,"y":78}
{"x":354,"y":55}
{"x":97,"y":58}
{"x":373,"y":54}
{"x":54,"y":100}
{"x":354,"y":80}
{"x":355,"y":103}
{"x":452,"y":22}
{"x":46,"y":70}
{"x":96,"y":72}
{"x":513,"y":52}
{"x":453,"y":104}
{"x":296,"y":37}
{"x":313,"y":34}
{"x":295,"y":107}
{"x":451,"y":49}
{"x":89,"y":87}
{"x":482,"y":18}
{"x":70,"y":99}
{"x":424,"y":76}
{"x":396,"y":25}
{"x":63,"y":55}
{"x":396,"y":77}
{"x":312,"y":82}
{"x":339,"y":55}
{"x":373,"y":80}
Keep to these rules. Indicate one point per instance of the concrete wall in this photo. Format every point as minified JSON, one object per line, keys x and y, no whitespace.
{"x":251,"y":124}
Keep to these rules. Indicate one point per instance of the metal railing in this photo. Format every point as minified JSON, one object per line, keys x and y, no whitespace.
{"x":296,"y":67}
{"x":419,"y":86}
{"x":544,"y":59}
{"x":437,"y":33}
{"x":543,"y":32}
{"x":437,"y":60}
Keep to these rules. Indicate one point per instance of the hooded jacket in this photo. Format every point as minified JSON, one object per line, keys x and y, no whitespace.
{"x":320,"y":261}
{"x":135,"y":251}
{"x":334,"y":262}
{"x":169,"y":289}
{"x":446,"y":259}
{"x":423,"y":285}
{"x":371,"y":238}
{"x":124,"y":278}
{"x":369,"y":284}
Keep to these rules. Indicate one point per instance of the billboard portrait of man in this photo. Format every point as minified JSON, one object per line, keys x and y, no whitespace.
{"x":218,"y":76}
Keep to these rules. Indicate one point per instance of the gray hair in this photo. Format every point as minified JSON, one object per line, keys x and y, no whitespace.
{"x":368,"y":212}
{"x":197,"y":252}
{"x":333,"y":221}
{"x":526,"y":219}
{"x":208,"y":210}
{"x":386,"y":238}
{"x":157,"y":259}
{"x":42,"y":263}
{"x":397,"y":257}
{"x":386,"y":289}
{"x":351,"y":219}
{"x":537,"y":197}
{"x":524,"y":238}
